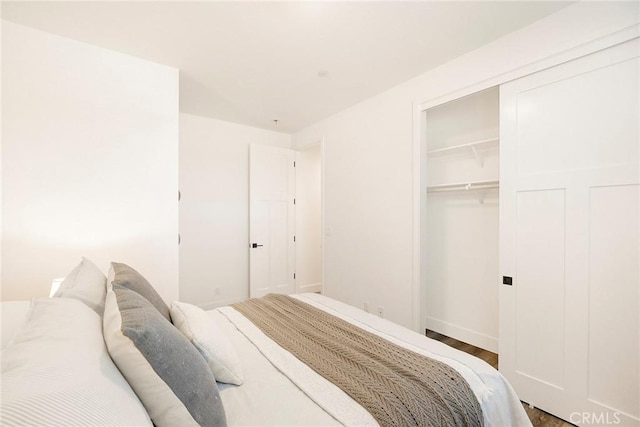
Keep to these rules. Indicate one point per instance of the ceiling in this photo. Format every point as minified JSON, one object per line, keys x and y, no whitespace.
{"x":295,"y":62}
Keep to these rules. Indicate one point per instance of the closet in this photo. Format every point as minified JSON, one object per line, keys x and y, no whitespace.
{"x":461,"y":246}
{"x":549,"y":262}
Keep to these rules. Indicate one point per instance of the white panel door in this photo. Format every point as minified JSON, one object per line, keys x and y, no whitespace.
{"x":271,"y":220}
{"x":569,"y":237}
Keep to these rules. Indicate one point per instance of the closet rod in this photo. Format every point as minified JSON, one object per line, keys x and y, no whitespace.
{"x":469,"y":145}
{"x":478,"y":185}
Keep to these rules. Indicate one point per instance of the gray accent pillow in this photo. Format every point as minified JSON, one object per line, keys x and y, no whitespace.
{"x":166,"y":371}
{"x":126,"y":276}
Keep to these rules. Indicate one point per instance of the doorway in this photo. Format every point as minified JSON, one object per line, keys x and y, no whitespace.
{"x":309,"y":209}
{"x":285,"y":220}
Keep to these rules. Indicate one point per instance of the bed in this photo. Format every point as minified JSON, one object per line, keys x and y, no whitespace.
{"x":61,"y":365}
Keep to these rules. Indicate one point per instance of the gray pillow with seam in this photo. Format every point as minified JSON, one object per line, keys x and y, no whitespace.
{"x":126,"y":276}
{"x":190,"y":387}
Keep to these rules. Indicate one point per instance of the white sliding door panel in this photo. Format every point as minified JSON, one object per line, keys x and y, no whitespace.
{"x":541,"y":285}
{"x":271,"y":220}
{"x":569,"y":236}
{"x":613,"y":273}
{"x":604,"y":96}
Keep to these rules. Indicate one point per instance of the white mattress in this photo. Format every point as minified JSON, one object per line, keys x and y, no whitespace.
{"x":277,"y":393}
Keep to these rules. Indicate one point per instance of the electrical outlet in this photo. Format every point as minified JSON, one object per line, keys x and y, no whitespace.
{"x":216,"y":291}
{"x":380,"y":311}
{"x":366,"y":306}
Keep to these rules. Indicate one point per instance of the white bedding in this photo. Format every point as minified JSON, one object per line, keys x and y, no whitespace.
{"x":278,"y":391}
{"x":267,"y":397}
{"x":12,"y":317}
{"x":58,"y":372}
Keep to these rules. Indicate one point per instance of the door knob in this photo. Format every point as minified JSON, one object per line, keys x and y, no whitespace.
{"x":255,"y":245}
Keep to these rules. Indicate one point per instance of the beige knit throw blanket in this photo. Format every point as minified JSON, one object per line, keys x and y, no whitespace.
{"x":397,"y":386}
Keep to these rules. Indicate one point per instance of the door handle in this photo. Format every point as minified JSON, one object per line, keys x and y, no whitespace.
{"x":255,"y":245}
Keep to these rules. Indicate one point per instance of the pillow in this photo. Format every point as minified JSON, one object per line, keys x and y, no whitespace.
{"x":168,"y":374}
{"x":85,"y":283}
{"x":57,"y":371}
{"x":209,"y":339}
{"x":126,"y":276}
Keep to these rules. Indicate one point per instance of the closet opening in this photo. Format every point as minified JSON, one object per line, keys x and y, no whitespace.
{"x":459,"y":216}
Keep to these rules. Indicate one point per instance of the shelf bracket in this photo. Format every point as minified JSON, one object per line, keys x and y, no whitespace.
{"x":482,"y":196}
{"x":477,"y":155}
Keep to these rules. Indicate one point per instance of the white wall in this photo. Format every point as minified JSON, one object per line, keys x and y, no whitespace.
{"x":367,"y":217}
{"x":214,"y":209}
{"x":309,"y":219}
{"x":368,"y":153}
{"x":89,"y":162}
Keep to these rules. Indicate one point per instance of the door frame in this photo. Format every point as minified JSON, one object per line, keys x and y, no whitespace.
{"x":314,"y":143}
{"x":612,"y":37}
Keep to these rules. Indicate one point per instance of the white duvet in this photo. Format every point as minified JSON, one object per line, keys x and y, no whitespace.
{"x":281,"y":390}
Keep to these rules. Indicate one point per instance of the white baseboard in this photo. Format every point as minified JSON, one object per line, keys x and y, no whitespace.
{"x":220,"y":303}
{"x":314,"y":287}
{"x":463,"y":334}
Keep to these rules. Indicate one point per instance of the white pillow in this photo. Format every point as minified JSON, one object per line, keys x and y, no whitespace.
{"x":85,"y":283}
{"x":57,"y":371}
{"x":210,"y":340}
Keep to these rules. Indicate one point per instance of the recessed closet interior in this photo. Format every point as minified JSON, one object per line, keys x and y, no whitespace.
{"x":460,"y":218}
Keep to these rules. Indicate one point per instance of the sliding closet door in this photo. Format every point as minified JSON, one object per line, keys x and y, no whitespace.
{"x":569,"y":202}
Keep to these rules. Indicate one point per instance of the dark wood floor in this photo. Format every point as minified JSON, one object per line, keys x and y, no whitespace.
{"x":538,"y":418}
